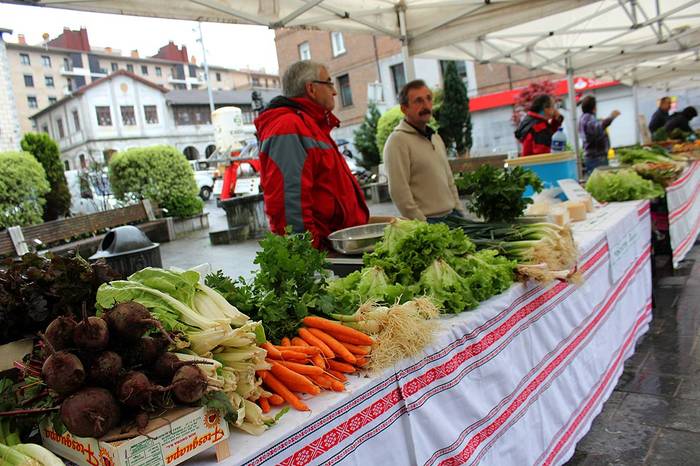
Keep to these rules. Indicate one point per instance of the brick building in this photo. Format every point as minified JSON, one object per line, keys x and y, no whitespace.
{"x":44,"y":73}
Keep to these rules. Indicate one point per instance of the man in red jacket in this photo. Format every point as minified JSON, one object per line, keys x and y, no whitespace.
{"x":306,"y":182}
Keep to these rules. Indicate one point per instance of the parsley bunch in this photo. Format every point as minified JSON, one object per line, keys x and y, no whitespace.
{"x":496,"y":194}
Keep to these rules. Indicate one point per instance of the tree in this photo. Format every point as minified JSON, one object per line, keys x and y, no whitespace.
{"x":45,"y":150}
{"x":23,"y":189}
{"x":524,"y":100}
{"x":454,"y":118}
{"x":366,"y":138}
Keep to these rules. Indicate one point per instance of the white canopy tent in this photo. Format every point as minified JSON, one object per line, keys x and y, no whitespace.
{"x":634,"y":41}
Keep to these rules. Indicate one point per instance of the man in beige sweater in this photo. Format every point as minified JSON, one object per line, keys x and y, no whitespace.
{"x":420,"y":178}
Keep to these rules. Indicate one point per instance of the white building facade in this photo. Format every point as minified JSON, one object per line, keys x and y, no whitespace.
{"x":9,"y":122}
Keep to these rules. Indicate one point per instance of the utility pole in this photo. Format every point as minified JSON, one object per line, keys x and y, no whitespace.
{"x":206,"y":69}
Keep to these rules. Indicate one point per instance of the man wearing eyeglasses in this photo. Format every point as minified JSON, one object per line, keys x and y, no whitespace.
{"x":306,"y":181}
{"x":420,"y":178}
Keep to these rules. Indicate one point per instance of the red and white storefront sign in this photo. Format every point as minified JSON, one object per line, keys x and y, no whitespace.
{"x":683,"y":200}
{"x":516,"y":381}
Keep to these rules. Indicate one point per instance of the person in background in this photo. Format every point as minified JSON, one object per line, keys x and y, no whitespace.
{"x":660,"y":116}
{"x":420,"y":178}
{"x":594,"y":136}
{"x":681,"y":120}
{"x":306,"y":182}
{"x":539,"y":125}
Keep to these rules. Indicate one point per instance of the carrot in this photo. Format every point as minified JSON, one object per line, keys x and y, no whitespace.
{"x":285,"y":342}
{"x":318,"y":361}
{"x":280,"y":389}
{"x":293,"y":380}
{"x":338,"y":375}
{"x":276,"y":400}
{"x":341,"y":366}
{"x":355,"y":349}
{"x":271,"y":350}
{"x":334,"y":345}
{"x":328,"y":382}
{"x":264,"y":405}
{"x":361,"y":361}
{"x":302,"y":368}
{"x":312,"y":340}
{"x":337,"y":330}
{"x":310,"y":350}
{"x":296,"y":341}
{"x":294,"y":356}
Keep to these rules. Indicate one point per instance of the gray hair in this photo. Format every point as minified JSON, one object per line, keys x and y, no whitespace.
{"x":297,"y":75}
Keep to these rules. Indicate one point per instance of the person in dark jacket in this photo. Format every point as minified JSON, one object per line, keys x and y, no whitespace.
{"x":660,"y":116}
{"x":681,"y":120}
{"x":594,"y":135}
{"x":539,"y":125}
{"x":306,"y":182}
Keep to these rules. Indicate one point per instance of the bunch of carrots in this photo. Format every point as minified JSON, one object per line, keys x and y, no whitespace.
{"x":318,"y":358}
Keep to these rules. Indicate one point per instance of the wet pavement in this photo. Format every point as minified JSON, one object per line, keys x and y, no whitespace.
{"x":653,"y":416}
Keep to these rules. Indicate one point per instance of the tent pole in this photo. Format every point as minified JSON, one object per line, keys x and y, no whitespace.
{"x":206,"y":71}
{"x":405,"y":52}
{"x":635,"y":97}
{"x":572,"y":113}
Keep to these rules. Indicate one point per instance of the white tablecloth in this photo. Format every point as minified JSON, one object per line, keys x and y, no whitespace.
{"x":684,"y":211}
{"x":518,"y":381}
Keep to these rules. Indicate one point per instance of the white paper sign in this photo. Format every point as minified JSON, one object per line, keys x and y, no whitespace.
{"x":572,"y":190}
{"x":623,"y":246}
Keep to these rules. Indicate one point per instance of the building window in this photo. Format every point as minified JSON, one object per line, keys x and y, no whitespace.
{"x":28,"y":80}
{"x":46,"y":61}
{"x":76,"y":120}
{"x":52,"y":100}
{"x":338,"y":43}
{"x":31,"y":101}
{"x":398,"y":77}
{"x":48,"y":80}
{"x":115,"y":66}
{"x":69,"y":84}
{"x":24,"y":59}
{"x":194,"y":115}
{"x":130,"y":68}
{"x":128,"y":116}
{"x":304,"y":51}
{"x":345,"y":91}
{"x":150,"y":113}
{"x":144,"y":70}
{"x":45,"y":128}
{"x":59,"y":125}
{"x":66,"y":165}
{"x":159,"y":72}
{"x":218,"y":77}
{"x":104,"y":117}
{"x":256,"y":81}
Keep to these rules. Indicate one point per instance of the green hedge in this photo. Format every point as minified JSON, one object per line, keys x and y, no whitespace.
{"x":23,"y":186}
{"x":45,"y":150}
{"x":159,"y":173}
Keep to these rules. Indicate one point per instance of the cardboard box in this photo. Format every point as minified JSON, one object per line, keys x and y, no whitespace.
{"x":178,"y":435}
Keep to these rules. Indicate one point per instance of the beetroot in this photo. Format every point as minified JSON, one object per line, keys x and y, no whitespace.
{"x":63,"y":372}
{"x":105,"y":369}
{"x":130,"y":320}
{"x":91,"y":334}
{"x":167,"y":365}
{"x":189,"y":384}
{"x":60,"y":332}
{"x":145,"y":351}
{"x":91,"y":412}
{"x":136,"y":390}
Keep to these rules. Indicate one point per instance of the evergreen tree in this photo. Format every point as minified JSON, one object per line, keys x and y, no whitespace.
{"x":366,"y":138}
{"x":454,"y":117}
{"x":45,"y":150}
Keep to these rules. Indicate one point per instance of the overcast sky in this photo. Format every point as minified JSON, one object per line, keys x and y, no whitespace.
{"x":234,"y":46}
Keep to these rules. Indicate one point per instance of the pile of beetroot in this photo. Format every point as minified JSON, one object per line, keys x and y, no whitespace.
{"x":115,"y":368}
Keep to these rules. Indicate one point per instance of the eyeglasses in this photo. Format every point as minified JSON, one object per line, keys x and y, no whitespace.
{"x":328,"y":83}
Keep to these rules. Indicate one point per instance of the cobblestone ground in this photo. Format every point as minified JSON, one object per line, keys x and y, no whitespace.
{"x":653,"y":416}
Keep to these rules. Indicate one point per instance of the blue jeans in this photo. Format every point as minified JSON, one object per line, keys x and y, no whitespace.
{"x":591,"y":163}
{"x":454,"y":213}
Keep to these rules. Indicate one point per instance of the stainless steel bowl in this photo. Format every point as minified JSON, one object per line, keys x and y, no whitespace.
{"x":357,"y":240}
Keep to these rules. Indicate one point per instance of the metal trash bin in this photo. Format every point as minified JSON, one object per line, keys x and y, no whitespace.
{"x":127,"y":250}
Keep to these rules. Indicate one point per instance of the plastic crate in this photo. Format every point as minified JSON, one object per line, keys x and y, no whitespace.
{"x":549,"y":167}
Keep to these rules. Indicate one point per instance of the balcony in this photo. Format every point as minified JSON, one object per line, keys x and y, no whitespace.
{"x":70,"y":70}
